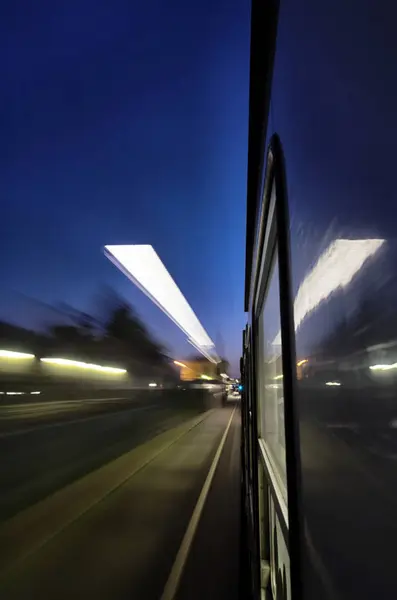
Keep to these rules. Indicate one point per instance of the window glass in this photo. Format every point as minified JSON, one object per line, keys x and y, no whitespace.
{"x":271,"y":377}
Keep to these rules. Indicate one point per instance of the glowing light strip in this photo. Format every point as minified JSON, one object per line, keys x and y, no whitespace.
{"x":65,"y":362}
{"x":302,"y":362}
{"x":142,"y":265}
{"x":10,"y":354}
{"x":333,"y":383}
{"x":335,"y":269}
{"x":383,"y":367}
{"x":180,"y":364}
{"x":201,"y":349}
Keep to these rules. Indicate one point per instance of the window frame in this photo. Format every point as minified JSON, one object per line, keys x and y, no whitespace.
{"x":273,"y":241}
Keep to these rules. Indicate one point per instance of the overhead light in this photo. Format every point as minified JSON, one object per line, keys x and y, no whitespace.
{"x":65,"y":362}
{"x":142,"y":265}
{"x":11,"y":354}
{"x":35,"y":393}
{"x":383,"y":367}
{"x":153,"y":384}
{"x":334,"y":270}
{"x":333,"y":383}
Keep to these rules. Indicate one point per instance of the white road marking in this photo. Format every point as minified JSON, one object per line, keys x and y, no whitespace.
{"x":9,"y":434}
{"x":175,"y":575}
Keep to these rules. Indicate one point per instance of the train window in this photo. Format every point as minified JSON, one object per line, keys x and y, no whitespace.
{"x":271,"y":388}
{"x":275,"y":419}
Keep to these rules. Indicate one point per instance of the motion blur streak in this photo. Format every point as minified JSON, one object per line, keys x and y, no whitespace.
{"x":10,"y":354}
{"x":82,"y":365}
{"x":335,"y":269}
{"x":383,"y":367}
{"x":301,"y":362}
{"x":142,"y":265}
{"x":180,"y":364}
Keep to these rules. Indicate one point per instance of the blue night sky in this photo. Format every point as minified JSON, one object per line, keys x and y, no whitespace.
{"x":126,"y":122}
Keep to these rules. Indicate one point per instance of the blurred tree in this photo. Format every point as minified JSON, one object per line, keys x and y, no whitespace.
{"x":125,"y":326}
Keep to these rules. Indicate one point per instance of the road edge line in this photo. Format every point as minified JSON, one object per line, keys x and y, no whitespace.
{"x":175,"y":576}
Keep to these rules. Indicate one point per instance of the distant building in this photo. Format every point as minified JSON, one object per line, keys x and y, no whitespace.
{"x":200,"y":367}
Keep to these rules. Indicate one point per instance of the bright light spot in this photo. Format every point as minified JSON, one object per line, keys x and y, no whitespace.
{"x":142,"y":265}
{"x":302,"y":362}
{"x":11,"y":354}
{"x":225,"y":375}
{"x":333,"y":383}
{"x":180,"y":364}
{"x":278,"y":377}
{"x":335,"y":269}
{"x":2,"y":393}
{"x":153,"y":384}
{"x":383,"y":367}
{"x":14,"y":393}
{"x":65,"y":362}
{"x":35,"y":393}
{"x":205,"y":377}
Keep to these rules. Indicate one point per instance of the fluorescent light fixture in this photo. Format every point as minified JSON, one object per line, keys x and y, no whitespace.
{"x":35,"y":393}
{"x":65,"y":362}
{"x":11,"y":354}
{"x":333,"y":383}
{"x":142,"y":265}
{"x":14,"y":393}
{"x":383,"y":367}
{"x":153,"y":384}
{"x":180,"y":364}
{"x":334,"y":270}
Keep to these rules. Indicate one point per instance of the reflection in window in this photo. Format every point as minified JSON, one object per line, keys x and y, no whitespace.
{"x":271,"y":377}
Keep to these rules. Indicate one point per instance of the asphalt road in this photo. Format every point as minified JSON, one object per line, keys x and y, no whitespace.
{"x":97,"y":498}
{"x":48,"y":445}
{"x":213,"y":566}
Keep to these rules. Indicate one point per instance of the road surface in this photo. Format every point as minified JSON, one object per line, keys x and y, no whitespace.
{"x":98,"y":498}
